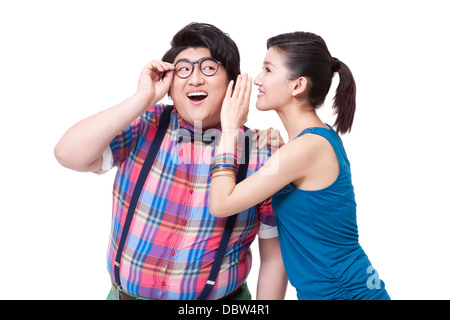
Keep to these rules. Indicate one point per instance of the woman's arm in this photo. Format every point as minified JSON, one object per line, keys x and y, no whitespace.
{"x":81,"y":147}
{"x":272,"y":278}
{"x":285,"y":166}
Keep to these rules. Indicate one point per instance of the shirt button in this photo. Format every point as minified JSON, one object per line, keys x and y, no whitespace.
{"x":184,"y":222}
{"x":172,"y":253}
{"x":163,"y":283}
{"x":191,"y":191}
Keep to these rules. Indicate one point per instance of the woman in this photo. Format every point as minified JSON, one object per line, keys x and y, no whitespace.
{"x":309,"y":177}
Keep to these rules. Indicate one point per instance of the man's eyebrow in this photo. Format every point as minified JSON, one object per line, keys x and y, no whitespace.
{"x":185,"y":59}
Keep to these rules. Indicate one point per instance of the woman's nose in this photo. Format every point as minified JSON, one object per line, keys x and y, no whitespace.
{"x":258,"y":80}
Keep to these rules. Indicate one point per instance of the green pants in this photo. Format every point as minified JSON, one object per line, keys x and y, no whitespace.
{"x":244,"y":295}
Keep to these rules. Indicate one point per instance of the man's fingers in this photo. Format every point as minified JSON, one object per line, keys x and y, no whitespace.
{"x":159,"y":66}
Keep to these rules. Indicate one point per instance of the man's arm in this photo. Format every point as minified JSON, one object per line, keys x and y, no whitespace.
{"x":272,"y":279}
{"x":81,"y":147}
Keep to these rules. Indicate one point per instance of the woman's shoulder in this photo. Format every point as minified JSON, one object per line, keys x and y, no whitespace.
{"x":306,"y":145}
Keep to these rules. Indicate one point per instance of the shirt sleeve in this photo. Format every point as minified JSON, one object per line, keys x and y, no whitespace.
{"x":267,"y":232}
{"x":125,"y":141}
{"x":266,"y":213}
{"x":107,"y":161}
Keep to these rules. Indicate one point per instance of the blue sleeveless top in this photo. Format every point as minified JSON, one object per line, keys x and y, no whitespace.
{"x":319,"y":237}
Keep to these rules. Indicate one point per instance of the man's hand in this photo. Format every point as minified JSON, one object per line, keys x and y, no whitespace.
{"x":82,"y":146}
{"x":270,"y":137}
{"x":150,"y":85}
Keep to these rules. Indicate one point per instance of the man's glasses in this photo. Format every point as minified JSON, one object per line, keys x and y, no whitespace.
{"x":208,"y":66}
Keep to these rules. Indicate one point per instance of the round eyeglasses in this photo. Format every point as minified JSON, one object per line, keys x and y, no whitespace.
{"x":185,"y":67}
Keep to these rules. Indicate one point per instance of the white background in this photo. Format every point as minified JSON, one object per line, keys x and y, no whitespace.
{"x":61,"y":61}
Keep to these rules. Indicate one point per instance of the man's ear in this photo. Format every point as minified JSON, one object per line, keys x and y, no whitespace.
{"x":300,"y":86}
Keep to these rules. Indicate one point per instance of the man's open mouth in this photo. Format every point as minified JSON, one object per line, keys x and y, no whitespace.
{"x":197,"y":96}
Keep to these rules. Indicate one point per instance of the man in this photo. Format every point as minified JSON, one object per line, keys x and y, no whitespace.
{"x":166,"y":247}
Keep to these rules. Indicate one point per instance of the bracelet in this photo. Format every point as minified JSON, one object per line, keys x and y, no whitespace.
{"x":228,"y":158}
{"x":224,"y":162}
{"x":223,"y":174}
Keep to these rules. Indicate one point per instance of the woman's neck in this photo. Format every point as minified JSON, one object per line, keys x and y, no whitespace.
{"x":297,"y":118}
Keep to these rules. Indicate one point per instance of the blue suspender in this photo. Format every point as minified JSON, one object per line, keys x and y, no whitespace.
{"x":163,"y":124}
{"x":241,"y":175}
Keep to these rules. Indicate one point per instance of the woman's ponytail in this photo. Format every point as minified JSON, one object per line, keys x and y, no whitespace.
{"x":344,"y":102}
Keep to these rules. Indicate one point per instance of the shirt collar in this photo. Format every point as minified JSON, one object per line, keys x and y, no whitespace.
{"x":183,"y":123}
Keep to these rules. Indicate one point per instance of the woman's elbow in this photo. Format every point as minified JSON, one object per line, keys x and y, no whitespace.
{"x":219,"y":210}
{"x":215,"y":211}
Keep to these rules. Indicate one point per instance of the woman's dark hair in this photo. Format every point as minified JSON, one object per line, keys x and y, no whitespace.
{"x":307,"y":55}
{"x":203,"y":35}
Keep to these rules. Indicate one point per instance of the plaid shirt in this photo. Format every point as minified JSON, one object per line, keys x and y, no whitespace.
{"x":173,"y":239}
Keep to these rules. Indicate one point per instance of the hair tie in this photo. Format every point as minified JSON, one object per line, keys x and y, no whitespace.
{"x":335,"y":64}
